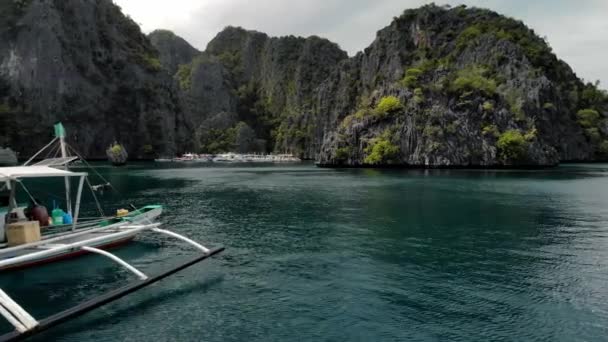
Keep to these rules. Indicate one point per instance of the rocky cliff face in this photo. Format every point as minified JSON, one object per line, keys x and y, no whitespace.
{"x":439,"y":87}
{"x":444,"y":87}
{"x":246,"y":81}
{"x":86,"y":64}
{"x":174,"y":51}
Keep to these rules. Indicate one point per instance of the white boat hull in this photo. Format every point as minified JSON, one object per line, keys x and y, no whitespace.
{"x":110,"y":236}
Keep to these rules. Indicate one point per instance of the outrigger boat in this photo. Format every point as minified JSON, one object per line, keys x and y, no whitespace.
{"x":78,"y":237}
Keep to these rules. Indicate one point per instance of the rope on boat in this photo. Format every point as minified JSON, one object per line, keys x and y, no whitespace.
{"x":107,"y":183}
{"x":28,"y":193}
{"x":95,"y":198}
{"x":99,"y":208}
{"x":57,"y":151}
{"x":50,"y":194}
{"x":44,"y":148}
{"x":89,"y":165}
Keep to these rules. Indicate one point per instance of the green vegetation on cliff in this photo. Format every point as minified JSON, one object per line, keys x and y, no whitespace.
{"x":473,"y":79}
{"x":588,"y":118}
{"x":381,"y":150}
{"x":388,"y":105}
{"x":150,"y":62}
{"x":502,"y":28}
{"x":342,"y":153}
{"x":238,"y":138}
{"x":512,"y":146}
{"x":184,"y":76}
{"x":411,"y":78}
{"x":219,"y":141}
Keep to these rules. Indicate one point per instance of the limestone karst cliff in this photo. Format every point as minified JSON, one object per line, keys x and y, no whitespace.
{"x":439,"y":87}
{"x":84,"y":63}
{"x":459,"y":87}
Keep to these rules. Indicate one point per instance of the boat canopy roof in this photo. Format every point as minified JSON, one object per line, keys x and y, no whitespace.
{"x":34,"y":171}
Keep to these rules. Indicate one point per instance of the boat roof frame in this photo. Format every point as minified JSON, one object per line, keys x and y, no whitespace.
{"x":34,"y":171}
{"x":55,"y":162}
{"x":10,"y":176}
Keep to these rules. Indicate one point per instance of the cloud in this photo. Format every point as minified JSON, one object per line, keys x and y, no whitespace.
{"x":575,"y":29}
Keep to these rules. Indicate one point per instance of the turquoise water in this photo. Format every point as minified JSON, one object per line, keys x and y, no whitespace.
{"x":349,"y":255}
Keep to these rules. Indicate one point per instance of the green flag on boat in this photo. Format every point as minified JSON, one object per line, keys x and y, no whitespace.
{"x":59,"y":130}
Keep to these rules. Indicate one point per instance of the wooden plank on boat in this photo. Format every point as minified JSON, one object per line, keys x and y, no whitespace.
{"x":94,"y":303}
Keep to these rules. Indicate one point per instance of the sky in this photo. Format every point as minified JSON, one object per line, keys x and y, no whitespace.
{"x":576,"y":29}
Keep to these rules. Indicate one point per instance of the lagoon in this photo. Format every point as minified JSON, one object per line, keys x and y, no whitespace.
{"x":358,"y":255}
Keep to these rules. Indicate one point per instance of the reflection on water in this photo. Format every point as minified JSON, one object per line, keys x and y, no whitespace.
{"x":366,"y":255}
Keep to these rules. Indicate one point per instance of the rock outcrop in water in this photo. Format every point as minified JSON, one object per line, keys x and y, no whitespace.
{"x":439,"y":87}
{"x":117,"y":154}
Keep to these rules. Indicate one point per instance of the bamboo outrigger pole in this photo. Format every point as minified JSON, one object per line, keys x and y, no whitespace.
{"x":94,"y":303}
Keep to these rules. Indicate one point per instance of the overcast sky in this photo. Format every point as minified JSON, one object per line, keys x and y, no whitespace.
{"x":577,"y":29}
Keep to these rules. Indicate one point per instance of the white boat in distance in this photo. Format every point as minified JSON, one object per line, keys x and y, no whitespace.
{"x":233,"y":158}
{"x":187,"y":157}
{"x":28,"y":238}
{"x":228,"y":158}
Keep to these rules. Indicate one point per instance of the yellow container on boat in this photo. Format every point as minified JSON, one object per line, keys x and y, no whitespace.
{"x":122,"y":212}
{"x":20,"y":233}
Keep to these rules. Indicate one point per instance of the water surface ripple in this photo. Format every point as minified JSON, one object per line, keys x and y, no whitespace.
{"x":350,"y":255}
